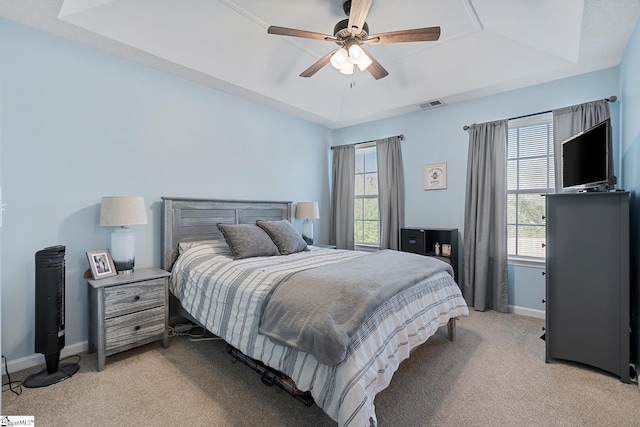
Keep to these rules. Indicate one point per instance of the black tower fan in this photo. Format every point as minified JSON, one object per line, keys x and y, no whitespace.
{"x":50,"y":281}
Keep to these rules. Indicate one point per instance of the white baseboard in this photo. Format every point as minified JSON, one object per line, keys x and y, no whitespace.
{"x":529,"y":312}
{"x":38,"y":359}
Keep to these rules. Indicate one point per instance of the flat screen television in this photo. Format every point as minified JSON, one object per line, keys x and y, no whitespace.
{"x":586,"y":160}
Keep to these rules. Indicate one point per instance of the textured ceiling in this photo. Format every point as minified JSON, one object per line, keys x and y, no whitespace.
{"x":486,"y":46}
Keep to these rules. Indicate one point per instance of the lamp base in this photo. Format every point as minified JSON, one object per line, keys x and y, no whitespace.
{"x":124,"y":268}
{"x":307,"y":231}
{"x":123,"y":250}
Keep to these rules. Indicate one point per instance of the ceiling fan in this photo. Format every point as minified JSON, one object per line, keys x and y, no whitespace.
{"x":351,"y":34}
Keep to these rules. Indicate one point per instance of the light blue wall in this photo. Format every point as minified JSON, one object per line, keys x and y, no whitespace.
{"x":79,"y":124}
{"x":630,"y":125}
{"x":434,"y":136}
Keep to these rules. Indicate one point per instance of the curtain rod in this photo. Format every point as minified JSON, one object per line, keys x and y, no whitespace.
{"x":401,"y":136}
{"x":612,"y":98}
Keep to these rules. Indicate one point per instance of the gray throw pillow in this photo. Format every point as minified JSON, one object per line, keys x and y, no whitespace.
{"x":247,"y":240}
{"x":284,"y":236}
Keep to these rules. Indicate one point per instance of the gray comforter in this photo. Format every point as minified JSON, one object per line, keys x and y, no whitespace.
{"x":318,"y":310}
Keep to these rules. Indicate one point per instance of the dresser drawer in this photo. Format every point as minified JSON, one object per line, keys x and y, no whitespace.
{"x":125,"y":299}
{"x":134,"y":328}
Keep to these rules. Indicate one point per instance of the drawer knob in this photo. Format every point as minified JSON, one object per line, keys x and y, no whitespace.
{"x":137,"y":297}
{"x":137,"y":328}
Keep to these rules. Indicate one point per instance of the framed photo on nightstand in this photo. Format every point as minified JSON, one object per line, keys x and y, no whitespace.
{"x":101,"y":264}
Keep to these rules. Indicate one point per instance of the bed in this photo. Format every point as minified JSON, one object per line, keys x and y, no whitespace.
{"x":233,"y":298}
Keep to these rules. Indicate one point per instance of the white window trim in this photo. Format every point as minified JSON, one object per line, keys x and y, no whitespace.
{"x":366,"y":248}
{"x":524,"y":261}
{"x":535,"y":119}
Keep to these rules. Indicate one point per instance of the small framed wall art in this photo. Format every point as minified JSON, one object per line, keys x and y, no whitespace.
{"x":101,"y":264}
{"x":435,"y":176}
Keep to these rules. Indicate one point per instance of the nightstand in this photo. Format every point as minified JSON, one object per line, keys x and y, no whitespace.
{"x":127,"y":311}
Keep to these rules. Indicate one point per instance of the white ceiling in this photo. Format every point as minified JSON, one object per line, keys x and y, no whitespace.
{"x":486,"y":46}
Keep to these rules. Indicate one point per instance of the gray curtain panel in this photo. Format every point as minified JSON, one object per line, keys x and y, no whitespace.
{"x":569,"y":121}
{"x":344,"y":176}
{"x":484,"y":279}
{"x":390,"y":191}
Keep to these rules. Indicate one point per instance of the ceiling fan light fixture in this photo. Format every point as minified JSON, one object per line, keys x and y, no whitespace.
{"x":339,"y":58}
{"x":363,"y":61}
{"x":347,"y":67}
{"x":355,"y":52}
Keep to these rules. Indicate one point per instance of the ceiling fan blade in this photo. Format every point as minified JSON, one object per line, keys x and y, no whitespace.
{"x":376,"y":70}
{"x":358,"y":14}
{"x":417,"y":35}
{"x":282,"y":31}
{"x":318,"y":64}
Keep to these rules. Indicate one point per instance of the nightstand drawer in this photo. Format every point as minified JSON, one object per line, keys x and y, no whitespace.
{"x":134,"y":328}
{"x":125,"y":299}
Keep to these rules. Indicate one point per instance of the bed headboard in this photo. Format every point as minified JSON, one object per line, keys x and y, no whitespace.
{"x":188,"y":220}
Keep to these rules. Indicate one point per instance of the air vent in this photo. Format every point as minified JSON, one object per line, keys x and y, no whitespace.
{"x":431,"y":104}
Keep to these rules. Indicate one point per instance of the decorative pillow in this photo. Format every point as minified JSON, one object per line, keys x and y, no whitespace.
{"x":218,"y":246}
{"x":284,"y":236}
{"x":248,"y":240}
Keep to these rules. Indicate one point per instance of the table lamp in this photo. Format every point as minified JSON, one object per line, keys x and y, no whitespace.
{"x":122,"y":212}
{"x":307,"y":211}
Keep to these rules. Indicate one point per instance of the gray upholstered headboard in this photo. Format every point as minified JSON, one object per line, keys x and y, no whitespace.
{"x":188,"y":220}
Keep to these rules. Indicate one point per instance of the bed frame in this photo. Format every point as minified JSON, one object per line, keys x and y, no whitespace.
{"x":188,"y":220}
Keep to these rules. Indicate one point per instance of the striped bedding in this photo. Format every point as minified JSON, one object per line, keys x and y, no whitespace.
{"x":226,"y":297}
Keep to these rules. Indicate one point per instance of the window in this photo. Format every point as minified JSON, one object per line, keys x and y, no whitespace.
{"x":530,"y":173}
{"x":365,"y":209}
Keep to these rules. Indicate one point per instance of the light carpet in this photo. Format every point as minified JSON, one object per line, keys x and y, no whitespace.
{"x":494,"y":374}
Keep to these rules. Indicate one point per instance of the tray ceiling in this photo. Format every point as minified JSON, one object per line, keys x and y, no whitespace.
{"x":486,"y":46}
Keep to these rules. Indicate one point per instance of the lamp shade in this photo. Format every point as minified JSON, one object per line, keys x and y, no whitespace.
{"x":307,"y":210}
{"x":123,"y":211}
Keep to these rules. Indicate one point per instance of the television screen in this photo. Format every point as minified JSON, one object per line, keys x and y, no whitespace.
{"x":585,"y":158}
